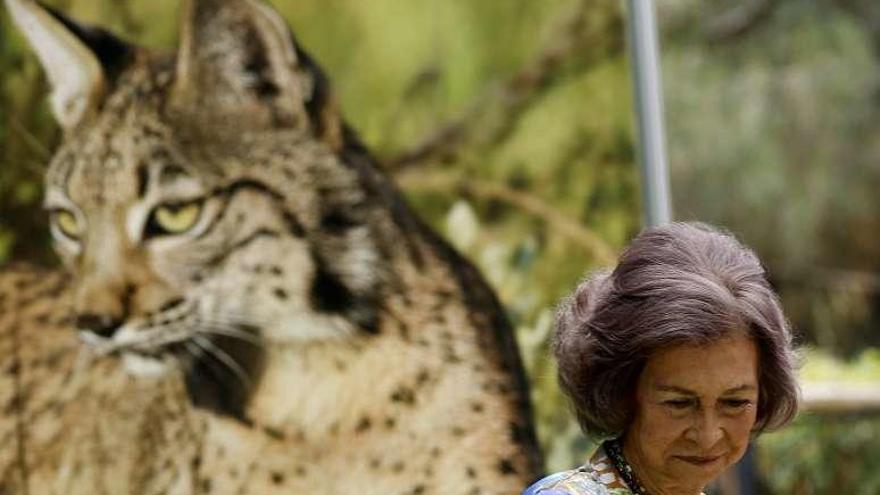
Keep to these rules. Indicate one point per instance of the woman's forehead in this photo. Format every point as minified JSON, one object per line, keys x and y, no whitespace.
{"x":726,"y":365}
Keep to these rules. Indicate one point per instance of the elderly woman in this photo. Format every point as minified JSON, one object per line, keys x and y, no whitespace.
{"x":679,"y":357}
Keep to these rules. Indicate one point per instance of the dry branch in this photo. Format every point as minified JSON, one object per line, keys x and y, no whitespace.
{"x":739,"y":21}
{"x":838,"y":397}
{"x":555,"y":220}
{"x":589,"y":33}
{"x":131,"y":26}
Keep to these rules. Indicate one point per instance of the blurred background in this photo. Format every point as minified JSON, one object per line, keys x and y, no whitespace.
{"x":509,"y":126}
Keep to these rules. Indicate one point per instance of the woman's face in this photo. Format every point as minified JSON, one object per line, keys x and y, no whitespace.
{"x":695,"y":409}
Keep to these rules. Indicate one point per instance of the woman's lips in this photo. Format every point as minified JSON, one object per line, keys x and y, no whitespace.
{"x":701,"y":461}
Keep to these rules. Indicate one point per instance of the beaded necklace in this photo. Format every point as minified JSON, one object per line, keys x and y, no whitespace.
{"x":615,"y":453}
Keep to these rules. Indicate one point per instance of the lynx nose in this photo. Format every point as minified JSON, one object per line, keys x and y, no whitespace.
{"x":102,"y":325}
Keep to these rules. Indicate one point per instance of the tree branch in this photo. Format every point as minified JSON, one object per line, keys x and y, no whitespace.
{"x":123,"y":9}
{"x":590,"y":32}
{"x":739,"y":21}
{"x":560,"y":223}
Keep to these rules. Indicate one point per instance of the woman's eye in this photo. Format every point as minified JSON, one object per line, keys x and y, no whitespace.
{"x":67,"y":223}
{"x":678,"y":403}
{"x":735,"y":403}
{"x":171,"y":219}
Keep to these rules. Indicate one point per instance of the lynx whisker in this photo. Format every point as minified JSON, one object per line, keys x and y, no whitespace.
{"x":235,"y":318}
{"x":194,"y":350}
{"x":215,"y":329}
{"x":224,"y":358}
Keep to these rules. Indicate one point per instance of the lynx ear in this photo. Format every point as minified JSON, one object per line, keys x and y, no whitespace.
{"x":238,"y":57}
{"x":76,"y":58}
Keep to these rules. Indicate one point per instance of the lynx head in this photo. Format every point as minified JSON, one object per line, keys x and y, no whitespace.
{"x":202,"y":201}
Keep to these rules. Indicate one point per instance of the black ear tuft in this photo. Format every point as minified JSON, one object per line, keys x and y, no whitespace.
{"x":113,"y":53}
{"x":319,"y":102}
{"x":81,"y":63}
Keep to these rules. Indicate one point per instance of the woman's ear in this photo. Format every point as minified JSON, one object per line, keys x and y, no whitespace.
{"x":79,"y":61}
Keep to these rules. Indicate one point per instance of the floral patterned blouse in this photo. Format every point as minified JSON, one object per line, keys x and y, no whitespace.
{"x":596,"y":477}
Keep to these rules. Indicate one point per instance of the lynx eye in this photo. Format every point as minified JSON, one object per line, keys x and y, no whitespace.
{"x":66,"y":223}
{"x":173,"y":218}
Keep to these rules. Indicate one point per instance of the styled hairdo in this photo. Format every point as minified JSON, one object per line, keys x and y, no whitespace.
{"x":680,"y":283}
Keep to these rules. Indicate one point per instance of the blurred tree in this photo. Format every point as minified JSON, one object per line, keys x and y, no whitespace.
{"x":793,"y":165}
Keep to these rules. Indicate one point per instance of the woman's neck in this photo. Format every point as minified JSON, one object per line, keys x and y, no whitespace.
{"x":655,"y":483}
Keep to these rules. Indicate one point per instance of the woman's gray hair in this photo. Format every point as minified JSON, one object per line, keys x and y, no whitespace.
{"x":680,"y":283}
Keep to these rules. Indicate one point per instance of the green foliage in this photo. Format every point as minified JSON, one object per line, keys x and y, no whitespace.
{"x":818,"y":455}
{"x":821,"y":454}
{"x":823,"y":367}
{"x":773,"y":135}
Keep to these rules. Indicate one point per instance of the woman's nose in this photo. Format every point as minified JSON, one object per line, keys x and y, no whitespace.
{"x":706,"y":429}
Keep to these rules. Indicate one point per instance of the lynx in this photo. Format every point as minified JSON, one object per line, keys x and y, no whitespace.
{"x":247,"y":304}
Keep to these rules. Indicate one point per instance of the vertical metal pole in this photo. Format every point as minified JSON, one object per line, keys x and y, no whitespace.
{"x":649,"y":112}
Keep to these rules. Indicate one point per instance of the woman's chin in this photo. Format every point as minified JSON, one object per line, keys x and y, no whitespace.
{"x":704,"y":468}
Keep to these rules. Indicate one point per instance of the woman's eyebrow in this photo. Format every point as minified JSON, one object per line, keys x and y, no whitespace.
{"x":673,"y":388}
{"x":746,"y":387}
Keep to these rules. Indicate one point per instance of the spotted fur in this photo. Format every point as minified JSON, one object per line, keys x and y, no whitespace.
{"x":307,"y":334}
